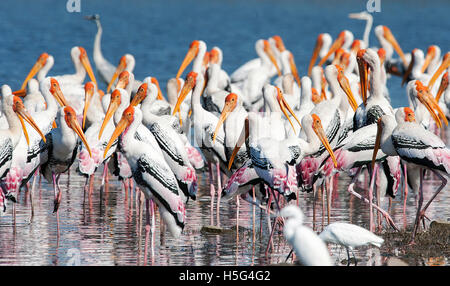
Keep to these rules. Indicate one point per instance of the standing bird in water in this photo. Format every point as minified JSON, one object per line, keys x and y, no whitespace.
{"x":349,"y":236}
{"x":15,"y":113}
{"x":150,"y":171}
{"x":60,"y":150}
{"x":415,"y":145}
{"x":309,"y":248}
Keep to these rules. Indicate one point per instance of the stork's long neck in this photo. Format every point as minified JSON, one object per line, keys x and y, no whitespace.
{"x":44,"y":70}
{"x":68,"y":139}
{"x":367,"y":30}
{"x":265,"y":61}
{"x":306,"y":96}
{"x":15,"y":128}
{"x":198,"y":61}
{"x":285,"y":63}
{"x":196,"y":105}
{"x":338,"y":96}
{"x":124,"y":102}
{"x":213,"y":80}
{"x":146,"y":105}
{"x":312,"y":143}
{"x":50,"y":112}
{"x":417,"y":68}
{"x":376,"y":85}
{"x":97,"y":42}
{"x":386,"y":136}
{"x":127,"y":139}
{"x":80,"y":72}
{"x":95,"y":112}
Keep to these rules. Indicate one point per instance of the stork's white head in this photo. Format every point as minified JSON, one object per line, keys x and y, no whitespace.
{"x":292,"y":212}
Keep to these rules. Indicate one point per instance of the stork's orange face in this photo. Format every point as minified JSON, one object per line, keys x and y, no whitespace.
{"x":315,"y":96}
{"x":55,"y":90}
{"x":189,"y":84}
{"x":268,"y":50}
{"x":89,"y":92}
{"x":334,"y":47}
{"x":356,"y":46}
{"x":391,"y":39}
{"x":214,"y":56}
{"x":190,"y":55}
{"x":124,"y":80}
{"x":125,"y":121}
{"x":285,"y":108}
{"x":409,"y":115}
{"x":425,"y":97}
{"x":431,"y":53}
{"x":120,"y":68}
{"x":114,"y":103}
{"x":141,"y":94}
{"x":230,"y":105}
{"x":279,"y":43}
{"x":382,"y":55}
{"x":22,"y":114}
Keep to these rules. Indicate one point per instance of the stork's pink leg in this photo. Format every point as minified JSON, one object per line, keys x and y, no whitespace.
{"x":405,"y":193}
{"x":314,"y":206}
{"x":254,"y":215}
{"x":372,"y":184}
{"x":237,"y":219}
{"x":212,"y":191}
{"x":419,"y":206}
{"x":219,"y":191}
{"x":351,"y":190}
{"x":91,"y":184}
{"x":147,"y":229}
{"x":36,"y":174}
{"x":329,"y":196}
{"x":55,"y":193}
{"x":421,"y":213}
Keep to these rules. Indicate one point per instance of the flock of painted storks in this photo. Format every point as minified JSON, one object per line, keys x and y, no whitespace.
{"x":268,"y":132}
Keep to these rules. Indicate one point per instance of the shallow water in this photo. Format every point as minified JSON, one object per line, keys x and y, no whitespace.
{"x":103,"y":229}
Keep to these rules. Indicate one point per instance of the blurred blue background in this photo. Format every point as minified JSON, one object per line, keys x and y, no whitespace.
{"x":159,"y":32}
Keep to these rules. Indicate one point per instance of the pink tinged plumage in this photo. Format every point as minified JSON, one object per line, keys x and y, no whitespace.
{"x":395,"y":167}
{"x":124,"y":167}
{"x":181,"y":210}
{"x":13,"y":180}
{"x":2,"y":202}
{"x":307,"y":169}
{"x":238,"y":179}
{"x":440,"y":157}
{"x":283,"y":180}
{"x":195,"y":157}
{"x":87,"y":164}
